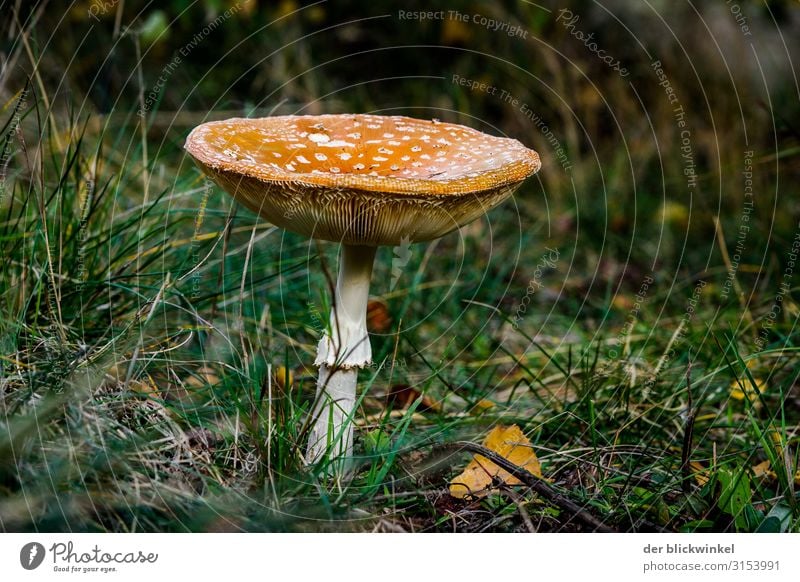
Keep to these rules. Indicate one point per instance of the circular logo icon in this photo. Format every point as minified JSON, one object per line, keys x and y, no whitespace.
{"x":31,"y":555}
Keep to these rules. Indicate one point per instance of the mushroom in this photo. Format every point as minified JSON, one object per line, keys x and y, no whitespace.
{"x":361,"y":181}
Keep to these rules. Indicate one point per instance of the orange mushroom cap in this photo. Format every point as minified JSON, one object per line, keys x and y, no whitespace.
{"x":361,"y":179}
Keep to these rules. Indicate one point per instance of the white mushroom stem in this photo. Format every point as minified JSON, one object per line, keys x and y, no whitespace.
{"x":339,"y":356}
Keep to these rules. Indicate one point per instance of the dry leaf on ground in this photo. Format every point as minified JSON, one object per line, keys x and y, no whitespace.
{"x":764,"y":470}
{"x":379,"y":320}
{"x":403,"y":395}
{"x":481,"y":406}
{"x":283,"y":378}
{"x":741,"y":389}
{"x":506,"y":441}
{"x":204,"y":376}
{"x":699,"y":472}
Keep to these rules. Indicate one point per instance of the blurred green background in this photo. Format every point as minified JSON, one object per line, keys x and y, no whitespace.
{"x":618,"y":133}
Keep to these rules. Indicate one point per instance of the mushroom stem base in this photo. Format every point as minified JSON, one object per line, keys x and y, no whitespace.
{"x":332,"y":431}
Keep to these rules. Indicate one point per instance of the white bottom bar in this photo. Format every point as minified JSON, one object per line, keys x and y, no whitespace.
{"x":398,"y":557}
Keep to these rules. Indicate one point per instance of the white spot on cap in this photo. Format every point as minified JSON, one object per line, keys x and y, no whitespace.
{"x":337,"y":143}
{"x":319,"y":137}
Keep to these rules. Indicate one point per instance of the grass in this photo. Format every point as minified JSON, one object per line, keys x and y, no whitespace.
{"x":137,"y":351}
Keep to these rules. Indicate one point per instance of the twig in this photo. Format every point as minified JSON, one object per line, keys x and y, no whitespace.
{"x":536,"y":484}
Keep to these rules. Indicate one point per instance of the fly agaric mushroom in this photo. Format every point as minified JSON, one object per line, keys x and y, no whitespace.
{"x":362,"y":181}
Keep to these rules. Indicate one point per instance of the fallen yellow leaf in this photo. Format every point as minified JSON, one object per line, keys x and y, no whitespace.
{"x":204,"y":376}
{"x":280,"y":375}
{"x":700,"y":472}
{"x":508,"y":442}
{"x":379,"y":319}
{"x":777,"y":438}
{"x":144,"y":387}
{"x":482,"y":406}
{"x":763,"y":469}
{"x":403,"y":396}
{"x":746,"y":389}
